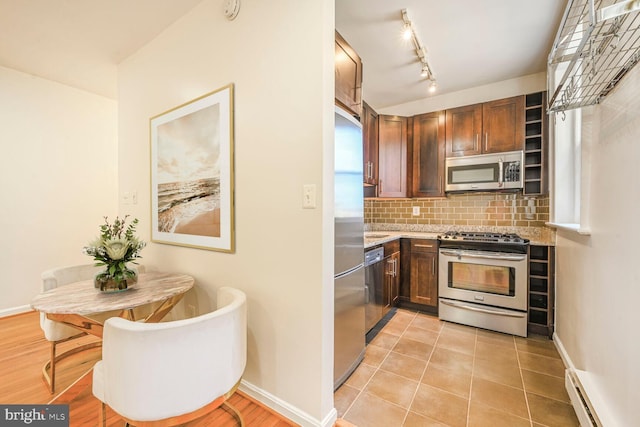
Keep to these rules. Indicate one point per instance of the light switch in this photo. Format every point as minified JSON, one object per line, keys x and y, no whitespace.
{"x":416,"y":210}
{"x":309,"y":196}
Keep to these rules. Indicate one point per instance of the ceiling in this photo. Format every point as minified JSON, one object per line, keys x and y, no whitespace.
{"x":469,"y":43}
{"x":80,"y":42}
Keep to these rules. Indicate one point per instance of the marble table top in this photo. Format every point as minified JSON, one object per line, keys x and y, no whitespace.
{"x":83,"y":298}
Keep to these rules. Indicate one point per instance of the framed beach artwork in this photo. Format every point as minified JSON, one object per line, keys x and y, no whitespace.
{"x":192,"y":173}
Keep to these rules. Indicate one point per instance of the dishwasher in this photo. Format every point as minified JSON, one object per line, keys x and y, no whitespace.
{"x":374,"y":282}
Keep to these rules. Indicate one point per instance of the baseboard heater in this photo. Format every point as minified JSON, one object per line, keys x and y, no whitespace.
{"x":581,"y":404}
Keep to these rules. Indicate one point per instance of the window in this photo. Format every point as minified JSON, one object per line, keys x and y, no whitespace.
{"x":569,"y":178}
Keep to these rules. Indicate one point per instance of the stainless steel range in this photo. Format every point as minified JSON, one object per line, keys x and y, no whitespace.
{"x":482,"y":280}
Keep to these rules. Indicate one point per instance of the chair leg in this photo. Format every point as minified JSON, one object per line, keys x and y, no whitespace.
{"x":234,"y":412}
{"x":52,"y":386}
{"x":102,"y":415}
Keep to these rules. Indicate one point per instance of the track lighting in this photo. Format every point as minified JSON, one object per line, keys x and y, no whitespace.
{"x":410,"y":33}
{"x":406,"y":31}
{"x":432,"y":86}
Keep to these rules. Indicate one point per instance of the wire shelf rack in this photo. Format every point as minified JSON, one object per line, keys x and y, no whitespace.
{"x":597,"y":43}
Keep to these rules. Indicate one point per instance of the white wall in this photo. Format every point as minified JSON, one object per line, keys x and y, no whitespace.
{"x":59,"y":178}
{"x":598,"y":281}
{"x":279,"y":56}
{"x":504,"y":89}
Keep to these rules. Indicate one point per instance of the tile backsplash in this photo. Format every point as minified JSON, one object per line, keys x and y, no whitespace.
{"x":470,"y":209}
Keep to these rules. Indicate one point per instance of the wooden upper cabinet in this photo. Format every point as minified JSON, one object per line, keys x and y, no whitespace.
{"x":491,"y":127}
{"x":370,"y":144}
{"x":392,"y":156}
{"x":503,"y":125}
{"x":463,"y":130}
{"x":348,"y":81}
{"x":428,"y":155}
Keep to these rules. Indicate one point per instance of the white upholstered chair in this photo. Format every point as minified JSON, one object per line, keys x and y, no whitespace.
{"x":56,"y":332}
{"x":169,"y":373}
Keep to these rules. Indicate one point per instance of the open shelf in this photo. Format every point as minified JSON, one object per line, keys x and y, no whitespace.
{"x":541,"y":289}
{"x":535,"y":144}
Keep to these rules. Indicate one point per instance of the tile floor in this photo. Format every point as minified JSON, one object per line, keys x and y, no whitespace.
{"x":420,"y":371}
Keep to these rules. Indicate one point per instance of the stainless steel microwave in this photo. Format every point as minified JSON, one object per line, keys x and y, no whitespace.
{"x":499,"y":171}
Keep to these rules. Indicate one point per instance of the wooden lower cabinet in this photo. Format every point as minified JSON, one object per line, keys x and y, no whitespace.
{"x":424,"y":272}
{"x":419,"y":274}
{"x":391,"y":290}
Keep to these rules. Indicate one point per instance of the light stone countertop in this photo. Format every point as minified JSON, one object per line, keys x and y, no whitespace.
{"x":380,"y":236}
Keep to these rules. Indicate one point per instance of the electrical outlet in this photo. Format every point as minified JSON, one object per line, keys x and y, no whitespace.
{"x":416,"y":210}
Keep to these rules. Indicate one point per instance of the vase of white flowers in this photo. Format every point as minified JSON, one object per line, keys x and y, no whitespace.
{"x":116,"y":246}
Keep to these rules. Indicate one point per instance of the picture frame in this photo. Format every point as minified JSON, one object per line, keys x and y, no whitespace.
{"x":192,"y":173}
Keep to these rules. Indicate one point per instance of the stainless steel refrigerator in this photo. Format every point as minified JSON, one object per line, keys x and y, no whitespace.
{"x":349,"y":311}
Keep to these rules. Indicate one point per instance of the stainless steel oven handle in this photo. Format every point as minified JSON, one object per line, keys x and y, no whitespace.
{"x":482,"y":310}
{"x":485,"y":255}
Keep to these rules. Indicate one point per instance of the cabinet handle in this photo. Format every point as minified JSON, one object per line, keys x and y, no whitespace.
{"x":370,"y":170}
{"x":418,"y":245}
{"x":395,"y":268}
{"x":380,"y":189}
{"x":486,"y":140}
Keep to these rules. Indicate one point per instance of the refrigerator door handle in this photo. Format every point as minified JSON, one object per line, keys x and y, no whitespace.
{"x":349,"y":271}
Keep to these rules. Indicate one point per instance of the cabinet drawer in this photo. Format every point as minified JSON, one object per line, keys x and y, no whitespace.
{"x":424,"y":245}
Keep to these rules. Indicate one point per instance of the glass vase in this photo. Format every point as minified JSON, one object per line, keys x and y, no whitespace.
{"x":106,"y":283}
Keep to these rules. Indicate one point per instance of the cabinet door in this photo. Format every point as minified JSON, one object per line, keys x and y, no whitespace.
{"x":392,"y":156}
{"x":391,"y":281}
{"x":503,"y":125}
{"x":424,"y":272}
{"x":395,"y":282}
{"x":428,"y":154}
{"x":463,"y":130}
{"x":370,"y":144}
{"x":348,"y":81}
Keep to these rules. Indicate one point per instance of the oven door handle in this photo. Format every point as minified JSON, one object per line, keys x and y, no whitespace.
{"x":485,"y":255}
{"x":482,"y":310}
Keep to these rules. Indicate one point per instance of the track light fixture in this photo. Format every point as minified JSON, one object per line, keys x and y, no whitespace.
{"x":410,"y":33}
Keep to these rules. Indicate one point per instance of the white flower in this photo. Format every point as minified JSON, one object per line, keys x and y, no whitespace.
{"x":116,"y":248}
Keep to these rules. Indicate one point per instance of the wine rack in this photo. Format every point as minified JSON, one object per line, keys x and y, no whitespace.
{"x":541,"y":289}
{"x":535,"y":144}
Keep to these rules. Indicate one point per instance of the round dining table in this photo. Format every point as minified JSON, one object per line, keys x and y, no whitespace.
{"x":72,"y":304}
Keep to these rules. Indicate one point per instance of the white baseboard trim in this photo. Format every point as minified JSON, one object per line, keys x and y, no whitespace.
{"x":14,"y":310}
{"x":285,"y":409}
{"x":568,"y":363}
{"x":591,"y":395}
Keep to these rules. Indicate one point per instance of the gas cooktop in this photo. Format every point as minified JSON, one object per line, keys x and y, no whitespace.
{"x":485,"y":237}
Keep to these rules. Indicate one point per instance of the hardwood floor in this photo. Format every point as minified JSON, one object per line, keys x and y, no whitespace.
{"x":24,"y":350}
